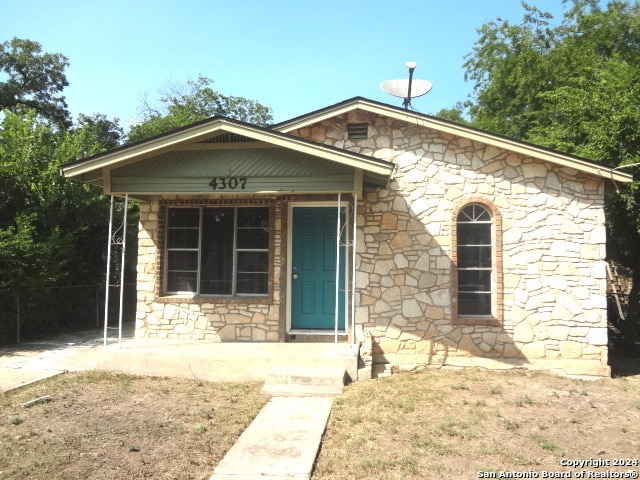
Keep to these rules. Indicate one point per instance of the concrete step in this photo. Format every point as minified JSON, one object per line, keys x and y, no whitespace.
{"x":316,"y":338}
{"x":381,"y":370}
{"x":304,"y":381}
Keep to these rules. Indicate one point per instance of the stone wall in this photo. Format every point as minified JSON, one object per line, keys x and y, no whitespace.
{"x":550,"y":305}
{"x":193,"y":318}
{"x":550,"y":277}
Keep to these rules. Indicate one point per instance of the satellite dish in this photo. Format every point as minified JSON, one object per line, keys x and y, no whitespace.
{"x":407,"y":89}
{"x":400,"y":88}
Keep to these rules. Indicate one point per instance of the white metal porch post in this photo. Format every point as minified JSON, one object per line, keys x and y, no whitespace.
{"x":337,"y":306}
{"x":353,"y":269}
{"x":122,"y":267}
{"x":107,"y":283}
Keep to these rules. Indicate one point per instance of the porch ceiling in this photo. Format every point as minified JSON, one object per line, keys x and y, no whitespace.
{"x":242,"y":170}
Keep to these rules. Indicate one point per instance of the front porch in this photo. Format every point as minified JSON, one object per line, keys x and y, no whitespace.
{"x":195,"y":359}
{"x":222,"y":361}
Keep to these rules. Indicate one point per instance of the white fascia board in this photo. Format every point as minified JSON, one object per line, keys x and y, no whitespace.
{"x":373,"y":165}
{"x":184,"y":137}
{"x":470,"y":133}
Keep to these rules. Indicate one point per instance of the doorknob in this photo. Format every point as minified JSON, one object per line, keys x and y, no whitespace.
{"x":295,"y":277}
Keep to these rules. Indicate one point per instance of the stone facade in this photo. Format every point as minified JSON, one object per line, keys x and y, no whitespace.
{"x":549,"y":241}
{"x":202,"y":318}
{"x":549,"y":281}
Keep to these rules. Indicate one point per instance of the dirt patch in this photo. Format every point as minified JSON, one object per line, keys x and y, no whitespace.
{"x":445,"y":424}
{"x":454,"y":424}
{"x":104,"y":426}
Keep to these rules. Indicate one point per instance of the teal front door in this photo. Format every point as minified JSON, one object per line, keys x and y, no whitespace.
{"x":313,"y":269}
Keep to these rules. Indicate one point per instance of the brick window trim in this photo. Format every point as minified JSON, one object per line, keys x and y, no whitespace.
{"x":498,"y":296}
{"x":212,"y":299}
{"x":164,"y":205}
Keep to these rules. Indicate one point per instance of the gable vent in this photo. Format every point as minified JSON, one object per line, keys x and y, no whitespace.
{"x":358,"y":131}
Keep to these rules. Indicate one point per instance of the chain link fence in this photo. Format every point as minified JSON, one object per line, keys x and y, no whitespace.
{"x":35,"y":313}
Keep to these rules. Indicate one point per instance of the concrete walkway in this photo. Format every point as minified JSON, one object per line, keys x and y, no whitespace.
{"x":33,"y":361}
{"x":281,"y":443}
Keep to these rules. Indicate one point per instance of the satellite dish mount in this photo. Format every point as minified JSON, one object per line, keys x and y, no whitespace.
{"x":407,"y":89}
{"x":407,"y":100}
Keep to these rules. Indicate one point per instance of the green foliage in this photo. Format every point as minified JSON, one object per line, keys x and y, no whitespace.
{"x":182,"y":105}
{"x":505,"y":65}
{"x":35,"y":80}
{"x":52,"y":231}
{"x":48,"y":226}
{"x":572,"y":86}
{"x":98,"y":133}
{"x":29,"y":259}
{"x":455,"y":114}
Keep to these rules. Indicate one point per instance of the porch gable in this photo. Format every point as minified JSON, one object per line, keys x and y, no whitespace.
{"x":224,"y":156}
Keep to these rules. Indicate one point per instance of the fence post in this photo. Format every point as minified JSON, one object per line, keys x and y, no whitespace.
{"x":18,"y":317}
{"x":97,"y":307}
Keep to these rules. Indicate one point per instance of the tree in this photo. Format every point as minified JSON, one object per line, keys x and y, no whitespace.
{"x":574,"y":87}
{"x":34,"y":80}
{"x":102,"y":134}
{"x":48,"y":225}
{"x":183,"y":104}
{"x":53,"y":231}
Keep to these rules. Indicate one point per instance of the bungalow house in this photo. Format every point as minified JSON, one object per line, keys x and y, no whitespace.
{"x":421,"y":241}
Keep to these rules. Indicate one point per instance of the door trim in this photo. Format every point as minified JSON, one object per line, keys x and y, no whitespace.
{"x":289,"y":273}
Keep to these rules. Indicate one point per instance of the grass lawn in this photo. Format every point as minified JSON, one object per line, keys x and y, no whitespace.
{"x":449,"y":424}
{"x":459,"y":424}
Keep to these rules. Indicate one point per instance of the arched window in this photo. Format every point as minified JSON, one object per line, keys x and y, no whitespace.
{"x":475,"y":251}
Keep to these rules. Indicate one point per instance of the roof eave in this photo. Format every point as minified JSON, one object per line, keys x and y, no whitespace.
{"x":171,"y":141}
{"x":487,"y":138}
{"x":140,"y":150}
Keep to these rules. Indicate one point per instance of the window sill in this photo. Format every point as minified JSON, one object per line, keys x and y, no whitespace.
{"x":477,"y":321}
{"x":199,"y":299}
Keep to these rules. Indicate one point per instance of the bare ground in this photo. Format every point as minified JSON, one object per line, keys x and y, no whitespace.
{"x":457,"y":424}
{"x":447,"y":424}
{"x":103,"y":426}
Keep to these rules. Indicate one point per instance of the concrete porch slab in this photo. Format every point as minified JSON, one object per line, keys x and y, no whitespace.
{"x":208,"y":361}
{"x":222,"y":361}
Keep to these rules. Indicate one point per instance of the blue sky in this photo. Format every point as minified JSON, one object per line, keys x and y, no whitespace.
{"x":293,"y":56}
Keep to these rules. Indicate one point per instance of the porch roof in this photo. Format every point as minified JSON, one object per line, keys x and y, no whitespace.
{"x":259,"y":160}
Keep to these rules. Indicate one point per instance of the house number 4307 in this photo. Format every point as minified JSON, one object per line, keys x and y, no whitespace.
{"x":231,"y":183}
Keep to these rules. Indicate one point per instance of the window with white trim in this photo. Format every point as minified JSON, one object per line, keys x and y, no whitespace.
{"x":475,"y":261}
{"x":221,"y":251}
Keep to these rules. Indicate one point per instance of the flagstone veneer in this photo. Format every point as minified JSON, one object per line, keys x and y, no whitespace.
{"x":549,"y":306}
{"x":550,"y":280}
{"x":202,"y":318}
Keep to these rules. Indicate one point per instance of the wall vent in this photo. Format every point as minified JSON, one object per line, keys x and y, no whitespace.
{"x":358,"y":131}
